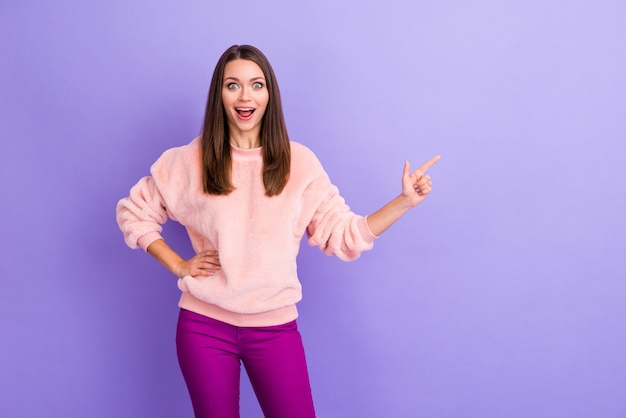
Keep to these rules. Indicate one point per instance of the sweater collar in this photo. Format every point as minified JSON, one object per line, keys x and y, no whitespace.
{"x":246,"y":154}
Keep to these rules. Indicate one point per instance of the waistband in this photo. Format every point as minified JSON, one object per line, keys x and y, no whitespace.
{"x":264,"y":319}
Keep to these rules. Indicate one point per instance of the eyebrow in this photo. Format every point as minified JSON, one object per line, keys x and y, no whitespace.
{"x":252,"y":79}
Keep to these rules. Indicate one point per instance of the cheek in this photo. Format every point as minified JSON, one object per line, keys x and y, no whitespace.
{"x":226,"y":99}
{"x":264,"y":101}
{"x":263,"y":109}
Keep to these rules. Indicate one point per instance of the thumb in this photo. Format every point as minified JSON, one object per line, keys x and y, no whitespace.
{"x":407,"y":169}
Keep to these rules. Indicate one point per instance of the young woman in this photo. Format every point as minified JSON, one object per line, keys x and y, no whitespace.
{"x":246,"y":196}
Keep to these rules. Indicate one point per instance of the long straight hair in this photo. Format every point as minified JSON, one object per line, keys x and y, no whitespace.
{"x":216,"y":155}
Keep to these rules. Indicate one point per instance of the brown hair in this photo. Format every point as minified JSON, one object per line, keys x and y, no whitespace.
{"x":216,"y":157}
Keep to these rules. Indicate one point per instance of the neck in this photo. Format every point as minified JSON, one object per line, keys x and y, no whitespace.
{"x":245,"y":144}
{"x":245,"y":140}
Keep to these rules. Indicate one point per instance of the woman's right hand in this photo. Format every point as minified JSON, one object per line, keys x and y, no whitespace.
{"x":206,"y":263}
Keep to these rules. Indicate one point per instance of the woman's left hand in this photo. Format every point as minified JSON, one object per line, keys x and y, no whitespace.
{"x":417,"y":185}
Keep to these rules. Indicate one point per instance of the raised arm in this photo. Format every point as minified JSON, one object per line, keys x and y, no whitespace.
{"x":415,"y":188}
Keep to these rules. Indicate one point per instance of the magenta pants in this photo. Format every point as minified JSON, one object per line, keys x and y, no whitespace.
{"x":210,"y":354}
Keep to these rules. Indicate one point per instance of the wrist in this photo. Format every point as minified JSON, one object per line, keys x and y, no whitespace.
{"x":404,"y":203}
{"x":167,"y":257}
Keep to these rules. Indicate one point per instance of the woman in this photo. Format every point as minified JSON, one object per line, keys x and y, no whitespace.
{"x":247,"y":195}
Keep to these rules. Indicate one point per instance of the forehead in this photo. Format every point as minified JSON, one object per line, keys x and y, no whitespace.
{"x":242,"y":69}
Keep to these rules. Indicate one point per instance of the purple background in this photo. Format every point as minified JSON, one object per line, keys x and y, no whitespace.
{"x":503,"y":295}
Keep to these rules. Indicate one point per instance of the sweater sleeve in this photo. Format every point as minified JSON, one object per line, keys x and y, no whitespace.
{"x":334,"y":228}
{"x":141,"y":214}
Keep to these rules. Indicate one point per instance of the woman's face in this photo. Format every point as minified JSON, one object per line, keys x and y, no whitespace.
{"x":245,"y":96}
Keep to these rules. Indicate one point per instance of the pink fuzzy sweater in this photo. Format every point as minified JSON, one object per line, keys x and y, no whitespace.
{"x":257,"y":237}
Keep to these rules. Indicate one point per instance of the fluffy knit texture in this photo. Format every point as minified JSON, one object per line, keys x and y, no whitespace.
{"x":257,"y":237}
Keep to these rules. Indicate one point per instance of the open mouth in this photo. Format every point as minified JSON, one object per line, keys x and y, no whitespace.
{"x":244,"y":112}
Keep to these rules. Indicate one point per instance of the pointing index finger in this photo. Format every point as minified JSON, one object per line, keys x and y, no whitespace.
{"x":429,"y":164}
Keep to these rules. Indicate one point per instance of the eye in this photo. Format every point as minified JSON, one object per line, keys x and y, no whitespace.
{"x":232,"y":86}
{"x":257,"y":86}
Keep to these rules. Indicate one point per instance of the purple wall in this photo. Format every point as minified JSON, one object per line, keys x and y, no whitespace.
{"x":501,"y":296}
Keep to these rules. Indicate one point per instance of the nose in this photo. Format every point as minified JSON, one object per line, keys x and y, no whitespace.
{"x":244,"y":94}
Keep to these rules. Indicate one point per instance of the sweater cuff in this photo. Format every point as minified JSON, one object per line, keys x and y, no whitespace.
{"x":365,"y":230}
{"x":145,"y":240}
